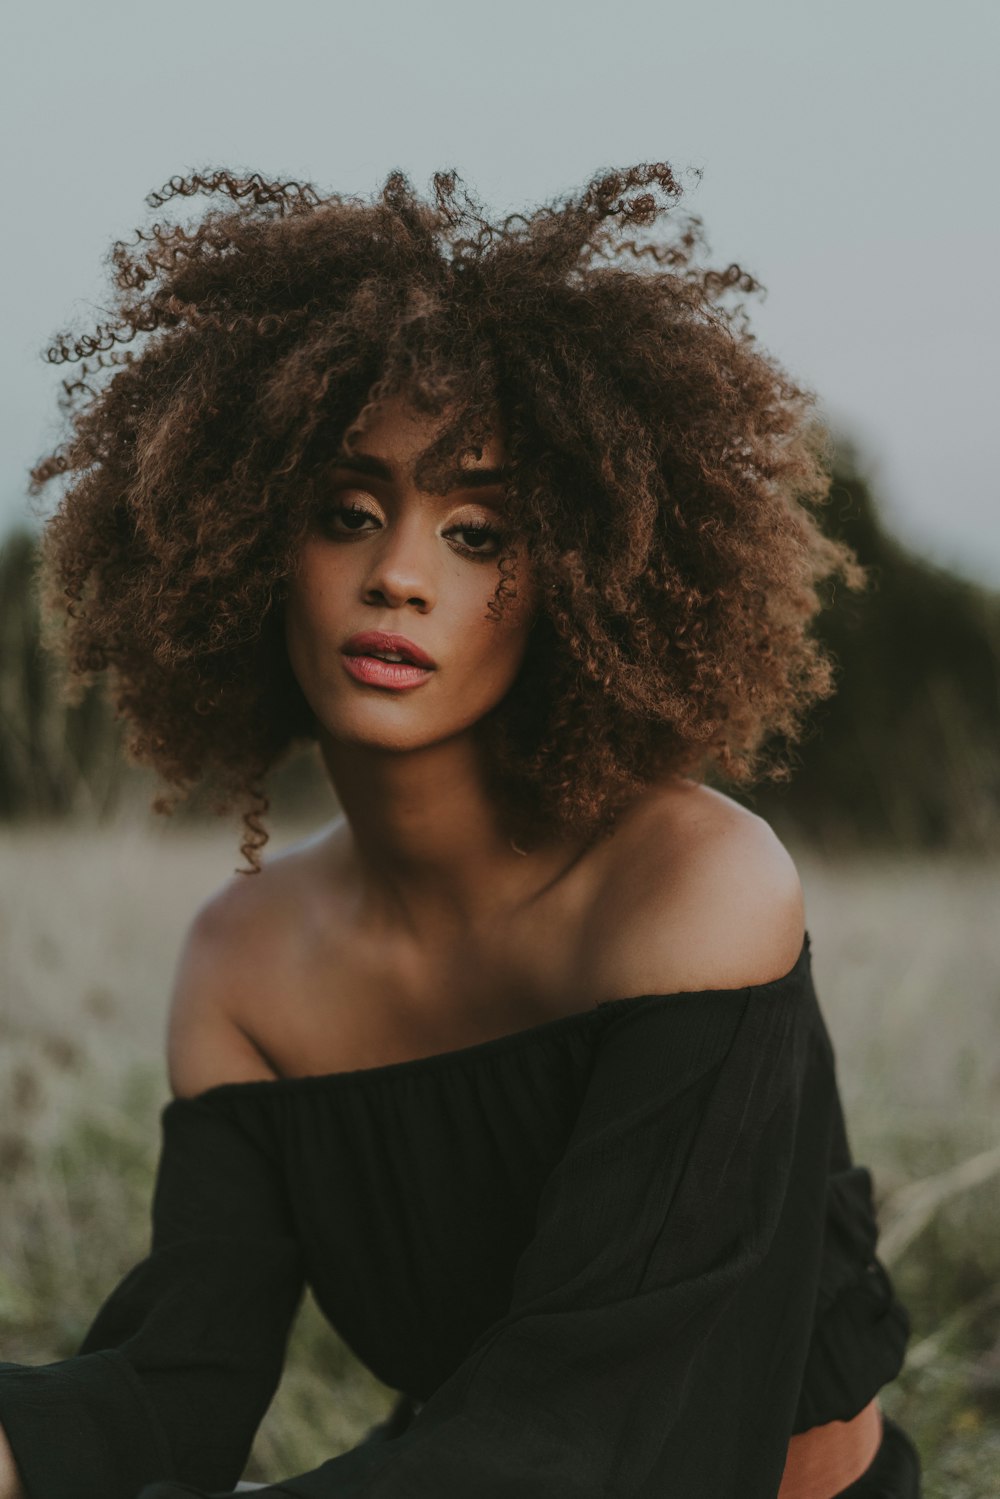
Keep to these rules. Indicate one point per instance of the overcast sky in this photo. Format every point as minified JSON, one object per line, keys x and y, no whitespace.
{"x":848,"y":156}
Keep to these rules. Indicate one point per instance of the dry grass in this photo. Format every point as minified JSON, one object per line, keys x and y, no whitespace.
{"x":907,"y":963}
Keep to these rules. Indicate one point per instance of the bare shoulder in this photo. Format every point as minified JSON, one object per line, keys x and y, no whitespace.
{"x":702,"y":894}
{"x":228,"y":938}
{"x":237,"y":947}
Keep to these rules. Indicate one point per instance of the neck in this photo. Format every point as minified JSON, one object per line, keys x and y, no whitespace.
{"x":428,"y":841}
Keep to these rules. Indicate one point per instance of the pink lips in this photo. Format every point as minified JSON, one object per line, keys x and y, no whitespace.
{"x":366,"y":667}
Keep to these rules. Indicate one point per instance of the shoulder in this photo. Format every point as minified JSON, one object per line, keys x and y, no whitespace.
{"x":237,"y":948}
{"x":702,"y":894}
{"x":206,"y":1040}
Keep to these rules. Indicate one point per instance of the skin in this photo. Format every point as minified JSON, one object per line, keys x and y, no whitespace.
{"x":410,"y":925}
{"x":427,"y":841}
{"x":10,"y":1486}
{"x":417,"y":886}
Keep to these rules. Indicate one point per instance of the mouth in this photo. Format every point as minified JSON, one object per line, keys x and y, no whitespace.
{"x":380,"y":659}
{"x":387,"y":647}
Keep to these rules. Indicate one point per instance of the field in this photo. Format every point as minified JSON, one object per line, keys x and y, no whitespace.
{"x":906,"y":958}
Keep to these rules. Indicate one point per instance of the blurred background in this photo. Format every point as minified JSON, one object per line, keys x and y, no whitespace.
{"x":843,"y":155}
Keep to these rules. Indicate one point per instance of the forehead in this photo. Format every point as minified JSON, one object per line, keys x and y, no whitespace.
{"x":396,"y":432}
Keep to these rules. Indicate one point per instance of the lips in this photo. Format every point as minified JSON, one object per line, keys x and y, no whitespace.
{"x":395,"y":675}
{"x":380,"y":642}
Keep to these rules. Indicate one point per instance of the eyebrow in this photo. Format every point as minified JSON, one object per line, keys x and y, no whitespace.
{"x":469,"y":478}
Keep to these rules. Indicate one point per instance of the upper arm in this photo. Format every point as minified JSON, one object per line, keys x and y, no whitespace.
{"x":206,"y":1040}
{"x":717,"y":907}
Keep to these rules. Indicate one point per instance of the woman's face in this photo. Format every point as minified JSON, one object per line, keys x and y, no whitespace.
{"x":389,"y":557}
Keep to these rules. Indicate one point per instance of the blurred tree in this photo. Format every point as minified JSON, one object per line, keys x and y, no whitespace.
{"x":54,"y":758}
{"x":908,"y":750}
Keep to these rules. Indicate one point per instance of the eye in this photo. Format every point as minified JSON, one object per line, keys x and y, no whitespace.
{"x":478,"y":538}
{"x":347,"y":520}
{"x":482,"y":540}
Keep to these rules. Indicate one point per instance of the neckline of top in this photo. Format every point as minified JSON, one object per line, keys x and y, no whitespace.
{"x":477,"y":1050}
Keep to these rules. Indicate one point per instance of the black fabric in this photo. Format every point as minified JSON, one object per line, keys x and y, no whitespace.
{"x":624,"y":1253}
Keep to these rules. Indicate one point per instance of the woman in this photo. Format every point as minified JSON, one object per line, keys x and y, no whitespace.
{"x":517,"y":1063}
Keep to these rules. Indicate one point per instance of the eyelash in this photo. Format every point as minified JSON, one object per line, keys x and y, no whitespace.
{"x":479,"y":530}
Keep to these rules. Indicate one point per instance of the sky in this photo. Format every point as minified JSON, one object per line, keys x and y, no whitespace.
{"x":845,"y":153}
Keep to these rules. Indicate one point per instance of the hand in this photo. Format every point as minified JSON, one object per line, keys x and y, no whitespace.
{"x":10,"y":1478}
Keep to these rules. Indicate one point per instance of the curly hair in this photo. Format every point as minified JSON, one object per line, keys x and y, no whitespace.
{"x":664,"y":473}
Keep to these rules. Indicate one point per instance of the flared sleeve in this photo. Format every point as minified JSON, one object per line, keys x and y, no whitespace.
{"x":183,"y":1358}
{"x":659,"y":1324}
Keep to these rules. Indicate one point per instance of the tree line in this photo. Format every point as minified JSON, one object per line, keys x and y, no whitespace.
{"x":906,"y":754}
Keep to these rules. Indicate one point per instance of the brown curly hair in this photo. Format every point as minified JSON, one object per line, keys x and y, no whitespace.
{"x":662,"y":472}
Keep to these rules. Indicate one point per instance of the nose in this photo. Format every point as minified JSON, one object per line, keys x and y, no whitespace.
{"x":402,"y":566}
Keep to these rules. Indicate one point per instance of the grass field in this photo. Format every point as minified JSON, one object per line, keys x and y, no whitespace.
{"x":906,"y":957}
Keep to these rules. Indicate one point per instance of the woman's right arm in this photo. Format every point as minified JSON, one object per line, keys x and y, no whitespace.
{"x":183,"y":1358}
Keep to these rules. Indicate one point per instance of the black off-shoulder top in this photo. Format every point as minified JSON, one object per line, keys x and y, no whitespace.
{"x":621,"y":1253}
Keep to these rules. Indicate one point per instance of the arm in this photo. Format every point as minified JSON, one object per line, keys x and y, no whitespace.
{"x":182,"y":1359}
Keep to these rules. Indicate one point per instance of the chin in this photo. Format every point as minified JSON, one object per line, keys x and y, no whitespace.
{"x":380,"y":732}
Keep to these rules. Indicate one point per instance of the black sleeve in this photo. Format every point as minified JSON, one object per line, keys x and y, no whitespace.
{"x":660,"y":1318}
{"x":182,"y":1360}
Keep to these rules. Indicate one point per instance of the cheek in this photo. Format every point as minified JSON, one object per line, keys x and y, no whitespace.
{"x":496,"y":644}
{"x":312,"y":608}
{"x":483,"y":655}
{"x":328,"y":581}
